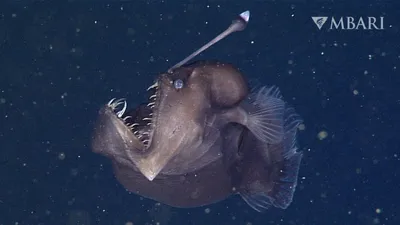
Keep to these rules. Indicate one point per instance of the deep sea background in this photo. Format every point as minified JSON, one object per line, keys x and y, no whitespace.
{"x":60,"y":62}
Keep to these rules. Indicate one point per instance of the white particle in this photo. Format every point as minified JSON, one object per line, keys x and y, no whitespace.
{"x":64,"y":95}
{"x":61,"y":156}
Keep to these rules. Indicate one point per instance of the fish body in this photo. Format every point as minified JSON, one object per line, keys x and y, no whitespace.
{"x":202,"y":137}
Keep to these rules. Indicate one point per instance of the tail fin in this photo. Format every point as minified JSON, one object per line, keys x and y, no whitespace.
{"x":269,"y":171}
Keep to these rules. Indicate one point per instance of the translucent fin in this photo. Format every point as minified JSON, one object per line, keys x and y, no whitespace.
{"x":271,"y":174}
{"x":258,"y":202}
{"x":292,"y":122}
{"x":283,"y":189}
{"x":285,"y":186}
{"x":265,"y":117}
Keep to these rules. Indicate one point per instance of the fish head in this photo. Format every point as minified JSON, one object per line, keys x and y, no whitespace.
{"x":181,"y":103}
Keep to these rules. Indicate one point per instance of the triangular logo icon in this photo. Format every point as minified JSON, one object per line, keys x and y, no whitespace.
{"x":319,"y":20}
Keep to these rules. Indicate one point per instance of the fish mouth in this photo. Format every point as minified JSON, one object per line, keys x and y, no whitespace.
{"x":142,"y":120}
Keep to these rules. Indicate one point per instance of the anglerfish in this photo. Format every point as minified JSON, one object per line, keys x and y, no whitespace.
{"x":204,"y":136}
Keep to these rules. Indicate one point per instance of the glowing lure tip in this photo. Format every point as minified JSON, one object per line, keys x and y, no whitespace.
{"x":245,"y":16}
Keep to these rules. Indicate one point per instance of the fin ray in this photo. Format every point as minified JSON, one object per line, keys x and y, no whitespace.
{"x":265,"y":118}
{"x":259,"y":203}
{"x":270,"y":178}
{"x":281,"y":196}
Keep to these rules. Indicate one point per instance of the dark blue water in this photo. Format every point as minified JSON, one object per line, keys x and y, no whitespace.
{"x":60,"y":62}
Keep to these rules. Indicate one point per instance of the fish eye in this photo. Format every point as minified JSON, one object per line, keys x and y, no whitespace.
{"x":178,"y":84}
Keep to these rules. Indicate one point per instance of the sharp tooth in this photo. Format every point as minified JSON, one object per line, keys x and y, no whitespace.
{"x":135,"y":124}
{"x":151,"y":103}
{"x":136,"y":132}
{"x":153,"y":96}
{"x":151,"y":107}
{"x":119,"y":102}
{"x":153,"y":86}
{"x":110,"y":102}
{"x":115,"y":103}
{"x":120,"y":113}
{"x":127,"y":117}
{"x":146,"y":118}
{"x":150,"y":114}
